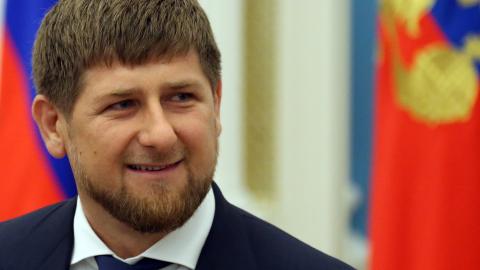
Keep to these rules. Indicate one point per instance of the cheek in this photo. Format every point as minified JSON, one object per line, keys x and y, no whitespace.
{"x":102,"y":146}
{"x":199,"y":138}
{"x":198,"y":132}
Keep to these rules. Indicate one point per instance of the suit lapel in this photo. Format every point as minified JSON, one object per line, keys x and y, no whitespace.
{"x":60,"y":256}
{"x":227,"y":245}
{"x":49,"y":244}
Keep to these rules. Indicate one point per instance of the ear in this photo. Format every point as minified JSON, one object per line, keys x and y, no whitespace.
{"x":217,"y":99}
{"x":51,"y":124}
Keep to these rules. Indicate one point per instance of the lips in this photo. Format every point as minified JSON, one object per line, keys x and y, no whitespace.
{"x":152,"y":168}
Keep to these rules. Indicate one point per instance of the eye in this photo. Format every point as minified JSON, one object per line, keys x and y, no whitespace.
{"x":122,"y":105}
{"x":182,"y":97}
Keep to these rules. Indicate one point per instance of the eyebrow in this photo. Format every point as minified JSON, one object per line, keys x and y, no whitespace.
{"x":123,"y":92}
{"x":181,"y":84}
{"x":120,"y":93}
{"x":117,"y":93}
{"x":175,"y":85}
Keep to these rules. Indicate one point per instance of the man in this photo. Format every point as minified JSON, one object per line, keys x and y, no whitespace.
{"x":130,"y":91}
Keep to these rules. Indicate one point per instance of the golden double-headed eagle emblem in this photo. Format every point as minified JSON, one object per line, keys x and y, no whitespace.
{"x":440,"y":86}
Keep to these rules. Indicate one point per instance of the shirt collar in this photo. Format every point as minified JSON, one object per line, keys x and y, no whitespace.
{"x":182,"y":246}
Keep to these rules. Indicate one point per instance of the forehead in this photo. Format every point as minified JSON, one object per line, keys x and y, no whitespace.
{"x":170,"y":70}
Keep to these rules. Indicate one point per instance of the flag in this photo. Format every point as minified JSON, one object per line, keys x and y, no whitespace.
{"x":29,"y":177}
{"x":363,"y":24}
{"x":425,"y":206}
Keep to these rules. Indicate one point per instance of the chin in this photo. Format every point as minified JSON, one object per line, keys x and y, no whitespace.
{"x":157,"y":206}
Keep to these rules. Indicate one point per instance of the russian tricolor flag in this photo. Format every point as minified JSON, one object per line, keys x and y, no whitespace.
{"x":30,"y":178}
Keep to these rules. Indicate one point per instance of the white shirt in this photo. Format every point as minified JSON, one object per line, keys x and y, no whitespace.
{"x":182,"y":247}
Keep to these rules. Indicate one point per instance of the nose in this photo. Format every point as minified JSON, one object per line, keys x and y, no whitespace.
{"x":157,"y":130}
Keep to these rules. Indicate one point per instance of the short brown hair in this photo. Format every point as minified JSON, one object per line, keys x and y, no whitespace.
{"x":78,"y":34}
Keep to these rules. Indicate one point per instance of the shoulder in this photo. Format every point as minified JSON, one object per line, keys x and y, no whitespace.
{"x":40,"y":223}
{"x":276,"y":249}
{"x":260,"y":245}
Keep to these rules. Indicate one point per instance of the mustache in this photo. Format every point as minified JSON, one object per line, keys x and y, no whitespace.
{"x":154,"y":156}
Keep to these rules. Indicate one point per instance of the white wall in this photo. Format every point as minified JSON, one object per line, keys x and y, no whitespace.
{"x":226,"y":18}
{"x":313,"y":123}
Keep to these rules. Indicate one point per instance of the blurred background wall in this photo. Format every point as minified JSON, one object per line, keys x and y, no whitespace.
{"x":285,"y":147}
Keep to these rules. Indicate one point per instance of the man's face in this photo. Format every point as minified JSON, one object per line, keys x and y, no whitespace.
{"x":142,"y":140}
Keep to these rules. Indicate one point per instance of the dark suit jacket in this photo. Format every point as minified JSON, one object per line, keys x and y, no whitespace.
{"x":237,"y":241}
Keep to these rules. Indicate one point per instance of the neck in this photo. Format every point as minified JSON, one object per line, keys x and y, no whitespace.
{"x":124,"y":241}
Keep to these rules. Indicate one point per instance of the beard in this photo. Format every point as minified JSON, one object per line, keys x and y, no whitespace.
{"x":161,"y":210}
